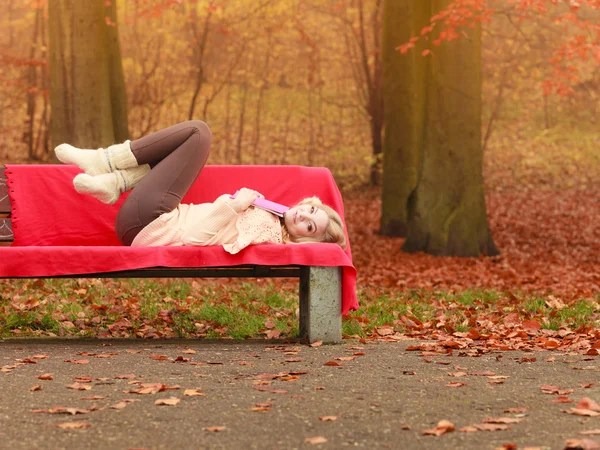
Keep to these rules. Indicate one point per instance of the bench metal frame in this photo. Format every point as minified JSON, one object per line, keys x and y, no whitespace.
{"x":320,"y":287}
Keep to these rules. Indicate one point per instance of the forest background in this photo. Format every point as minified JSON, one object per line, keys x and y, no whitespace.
{"x":285,"y":82}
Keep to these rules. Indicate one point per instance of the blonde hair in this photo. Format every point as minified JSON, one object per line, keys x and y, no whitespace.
{"x":334,"y":233}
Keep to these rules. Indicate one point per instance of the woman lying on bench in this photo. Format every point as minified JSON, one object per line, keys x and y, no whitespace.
{"x":161,"y":168}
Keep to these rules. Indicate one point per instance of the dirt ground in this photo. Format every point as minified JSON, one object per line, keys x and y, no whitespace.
{"x":274,"y":395}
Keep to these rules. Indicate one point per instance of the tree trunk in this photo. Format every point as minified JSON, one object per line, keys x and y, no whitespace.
{"x":87,"y":88}
{"x":404,"y":90}
{"x":447,"y":212}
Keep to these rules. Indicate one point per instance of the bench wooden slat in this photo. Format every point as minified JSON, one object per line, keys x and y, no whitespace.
{"x":4,"y":200}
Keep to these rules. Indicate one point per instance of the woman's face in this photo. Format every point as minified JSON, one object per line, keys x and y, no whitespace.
{"x":306,"y":221}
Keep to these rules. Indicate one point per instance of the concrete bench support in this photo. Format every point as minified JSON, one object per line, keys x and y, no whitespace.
{"x":321,"y":304}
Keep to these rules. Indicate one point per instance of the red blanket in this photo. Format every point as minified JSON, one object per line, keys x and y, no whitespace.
{"x":60,"y":232}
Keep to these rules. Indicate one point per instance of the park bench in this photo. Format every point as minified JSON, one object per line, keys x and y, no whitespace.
{"x":48,"y":230}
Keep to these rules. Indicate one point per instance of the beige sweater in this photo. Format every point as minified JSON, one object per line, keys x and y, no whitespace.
{"x":211,"y":224}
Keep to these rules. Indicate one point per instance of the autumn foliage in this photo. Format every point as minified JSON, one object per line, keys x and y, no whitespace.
{"x":578,"y":19}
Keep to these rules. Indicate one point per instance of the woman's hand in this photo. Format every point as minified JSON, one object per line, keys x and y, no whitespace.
{"x":244,"y":199}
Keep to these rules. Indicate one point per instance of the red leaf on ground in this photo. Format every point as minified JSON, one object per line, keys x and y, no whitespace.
{"x":588,"y":403}
{"x":562,"y":399}
{"x":443,"y":426}
{"x":214,"y":429}
{"x":456,"y":384}
{"x":331,"y":363}
{"x":531,"y":325}
{"x":46,"y":376}
{"x":35,"y":388}
{"x":129,"y":376}
{"x":582,"y":412}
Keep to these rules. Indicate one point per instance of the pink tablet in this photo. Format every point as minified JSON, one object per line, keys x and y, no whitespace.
{"x":267,"y":205}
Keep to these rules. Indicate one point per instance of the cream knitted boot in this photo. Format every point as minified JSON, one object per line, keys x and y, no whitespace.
{"x":97,"y":162}
{"x":108,"y":187}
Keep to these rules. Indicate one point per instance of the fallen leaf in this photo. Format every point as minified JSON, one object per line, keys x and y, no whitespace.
{"x":119,"y":405}
{"x":331,"y":363}
{"x":315,"y":440}
{"x":261,"y":409}
{"x":586,"y":385}
{"x":581,"y":444}
{"x":316,"y":344}
{"x":77,"y":361}
{"x":128,"y":376}
{"x":192,"y":393}
{"x":40,"y":356}
{"x":591,"y":432}
{"x":457,"y":374}
{"x":73,"y":425}
{"x":582,"y":412}
{"x":189,"y":351}
{"x":79,"y":387}
{"x":93,"y":397}
{"x":456,"y":384}
{"x":35,"y":388}
{"x":503,"y":420}
{"x":384,"y":331}
{"x":562,"y":399}
{"x":289,"y":378}
{"x":214,"y":429}
{"x":443,"y":426}
{"x":491,"y":427}
{"x":86,"y":379}
{"x":181,"y":359}
{"x":519,"y":410}
{"x":171,"y":401}
{"x":63,"y":410}
{"x":148,"y":388}
{"x":327,"y":418}
{"x":588,"y":403}
{"x":531,"y":325}
{"x":46,"y":376}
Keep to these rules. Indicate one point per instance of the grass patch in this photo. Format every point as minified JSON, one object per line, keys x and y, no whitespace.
{"x":187,"y":308}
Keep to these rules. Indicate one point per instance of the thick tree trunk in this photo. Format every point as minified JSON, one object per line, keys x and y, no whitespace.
{"x":87,"y":88}
{"x":447,"y":211}
{"x":404,"y":88}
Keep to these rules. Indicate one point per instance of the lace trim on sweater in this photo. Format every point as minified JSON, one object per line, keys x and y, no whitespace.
{"x":255,"y":226}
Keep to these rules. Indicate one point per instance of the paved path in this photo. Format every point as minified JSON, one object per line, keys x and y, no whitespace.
{"x":383,"y":398}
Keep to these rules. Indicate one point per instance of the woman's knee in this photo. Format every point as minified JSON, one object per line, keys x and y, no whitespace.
{"x":201,"y":128}
{"x":204,"y":134}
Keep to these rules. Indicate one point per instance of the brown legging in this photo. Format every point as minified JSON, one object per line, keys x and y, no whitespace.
{"x":176,"y":155}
